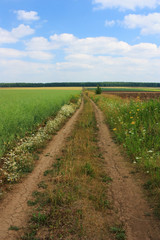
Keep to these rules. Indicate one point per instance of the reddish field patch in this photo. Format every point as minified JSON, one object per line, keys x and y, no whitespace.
{"x":141,"y":95}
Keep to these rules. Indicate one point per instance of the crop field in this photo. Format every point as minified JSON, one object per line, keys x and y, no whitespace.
{"x":23,"y":110}
{"x":132,"y":95}
{"x":127,"y":89}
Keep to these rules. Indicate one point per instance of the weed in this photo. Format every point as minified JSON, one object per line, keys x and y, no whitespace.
{"x":106,"y":179}
{"x":148,"y":185}
{"x":48,"y":171}
{"x":30,"y":236}
{"x":119,"y":232}
{"x":14,"y":228}
{"x":88,"y":170}
{"x":39,"y":218}
{"x":31,"y":203}
{"x":42,"y":184}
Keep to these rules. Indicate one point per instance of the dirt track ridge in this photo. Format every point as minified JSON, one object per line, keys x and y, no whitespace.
{"x":14,"y":208}
{"x":125,"y":193}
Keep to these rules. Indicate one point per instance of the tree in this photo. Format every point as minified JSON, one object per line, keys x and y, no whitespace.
{"x":98,"y":90}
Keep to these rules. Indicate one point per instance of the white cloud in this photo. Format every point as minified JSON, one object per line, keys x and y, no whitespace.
{"x":91,"y":59}
{"x":54,"y":42}
{"x":109,"y":23}
{"x":27,"y":16}
{"x":126,"y":4}
{"x":70,"y":44}
{"x":149,"y":24}
{"x":40,"y":55}
{"x":64,"y":38}
{"x":15,"y":34}
{"x":11,"y":53}
{"x":22,"y":31}
{"x":6,"y":37}
{"x":38,"y":44}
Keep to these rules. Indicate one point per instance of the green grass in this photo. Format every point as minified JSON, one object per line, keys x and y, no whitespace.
{"x":136,"y":125}
{"x":22,"y":111}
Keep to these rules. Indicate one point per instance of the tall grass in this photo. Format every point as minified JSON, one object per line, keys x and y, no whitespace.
{"x":22,"y":111}
{"x":136,"y":125}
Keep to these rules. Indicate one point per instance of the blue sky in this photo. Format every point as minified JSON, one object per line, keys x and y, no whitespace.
{"x":79,"y":40}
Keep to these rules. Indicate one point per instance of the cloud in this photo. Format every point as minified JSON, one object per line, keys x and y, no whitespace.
{"x":126,"y":4}
{"x":55,"y":42}
{"x":27,"y":16}
{"x":22,"y":31}
{"x":6,"y":36}
{"x":149,"y":24}
{"x":70,"y":44}
{"x":15,"y":34}
{"x":109,"y":23}
{"x":11,"y":53}
{"x":75,"y":59}
{"x":93,"y":46}
{"x":40,"y":55}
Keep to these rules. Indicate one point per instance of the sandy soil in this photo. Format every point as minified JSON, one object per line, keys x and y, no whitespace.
{"x":125,"y":192}
{"x":14,"y":208}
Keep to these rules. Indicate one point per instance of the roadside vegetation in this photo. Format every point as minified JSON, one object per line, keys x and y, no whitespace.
{"x":20,"y":159}
{"x":71,"y":201}
{"x":136,"y":125}
{"x":23,"y":111}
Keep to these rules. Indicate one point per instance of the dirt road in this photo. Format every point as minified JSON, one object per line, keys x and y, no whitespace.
{"x":125,"y":192}
{"x":13,"y":210}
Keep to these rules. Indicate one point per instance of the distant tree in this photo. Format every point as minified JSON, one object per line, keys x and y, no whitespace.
{"x":98,"y":90}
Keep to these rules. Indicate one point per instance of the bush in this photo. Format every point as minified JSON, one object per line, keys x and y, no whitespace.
{"x":98,"y":90}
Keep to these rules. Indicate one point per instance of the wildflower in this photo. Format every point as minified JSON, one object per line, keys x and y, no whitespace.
{"x":137,"y":109}
{"x":133,"y":123}
{"x":131,"y":117}
{"x":150,"y":151}
{"x":114,"y":129}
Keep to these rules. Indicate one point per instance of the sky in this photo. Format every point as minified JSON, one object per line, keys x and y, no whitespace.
{"x":79,"y":41}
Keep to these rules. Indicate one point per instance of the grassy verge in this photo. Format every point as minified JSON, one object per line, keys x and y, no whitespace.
{"x":136,"y":125}
{"x":71,"y":202}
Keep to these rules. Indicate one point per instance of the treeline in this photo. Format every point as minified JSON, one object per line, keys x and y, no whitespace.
{"x":81,"y":84}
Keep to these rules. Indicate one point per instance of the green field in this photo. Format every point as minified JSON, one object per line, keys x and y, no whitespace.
{"x":22,"y":111}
